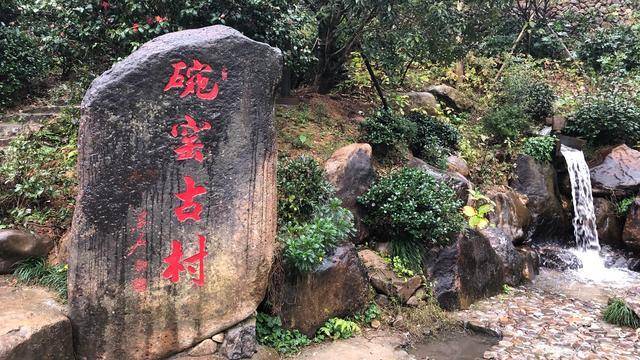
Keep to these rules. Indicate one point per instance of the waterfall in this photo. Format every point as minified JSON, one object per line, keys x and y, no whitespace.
{"x":584,"y":221}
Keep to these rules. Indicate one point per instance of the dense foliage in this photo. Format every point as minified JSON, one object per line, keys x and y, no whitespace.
{"x":21,"y":65}
{"x":433,"y":139}
{"x":307,"y":244}
{"x":608,"y":49}
{"x":269,"y":332}
{"x":410,"y":208}
{"x":619,"y":313}
{"x":540,"y":147}
{"x":37,"y":172}
{"x":605,"y":119}
{"x":506,"y":122}
{"x":386,"y":129}
{"x":37,"y":271}
{"x":533,"y":95}
{"x":302,"y":188}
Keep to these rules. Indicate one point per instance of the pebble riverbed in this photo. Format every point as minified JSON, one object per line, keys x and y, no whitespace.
{"x":559,"y":316}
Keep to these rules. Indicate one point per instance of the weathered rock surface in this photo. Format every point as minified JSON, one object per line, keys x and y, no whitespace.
{"x":459,"y":183}
{"x":385,"y":281}
{"x":513,"y":263}
{"x":174,"y":226}
{"x":206,"y":347}
{"x":631,"y":232}
{"x":538,"y":182}
{"x":511,"y":214}
{"x":608,"y":224}
{"x":558,"y":259}
{"x":619,"y":172}
{"x":350,"y":171}
{"x":466,"y":271}
{"x":337,"y":288}
{"x":33,"y":326}
{"x":452,"y":97}
{"x":16,"y":246}
{"x":458,"y":165}
{"x":423,"y":100}
{"x":240,"y":341}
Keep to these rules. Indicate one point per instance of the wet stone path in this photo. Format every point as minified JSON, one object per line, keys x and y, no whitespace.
{"x":558,"y":316}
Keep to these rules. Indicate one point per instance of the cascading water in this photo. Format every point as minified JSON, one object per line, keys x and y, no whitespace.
{"x":584,"y":221}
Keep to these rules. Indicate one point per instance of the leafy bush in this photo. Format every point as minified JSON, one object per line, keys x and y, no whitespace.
{"x":606,"y":119}
{"x":22,"y":65}
{"x":37,"y":271}
{"x":531,"y":94}
{"x":306,"y":244}
{"x":301,"y":189}
{"x":622,"y":207}
{"x":507,"y":122}
{"x":610,"y":48}
{"x":413,"y":210}
{"x":38,"y":175}
{"x":434,"y":139}
{"x":476,"y":214}
{"x":270,"y":333}
{"x":384,"y":130}
{"x":540,"y":148}
{"x":335,"y":329}
{"x":619,"y":313}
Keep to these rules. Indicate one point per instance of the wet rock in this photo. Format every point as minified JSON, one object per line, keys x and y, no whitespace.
{"x":337,"y":288}
{"x":558,"y":259}
{"x":33,"y":326}
{"x":451,"y":97}
{"x":511,"y":214}
{"x":631,"y":232}
{"x":459,"y":183}
{"x":240,"y":341}
{"x":513,"y":263}
{"x":206,"y":347}
{"x":634,"y":265}
{"x":382,"y":300}
{"x":385,"y":281}
{"x":349,"y":169}
{"x":16,"y":246}
{"x":619,"y":173}
{"x":458,"y":165}
{"x":175,"y":221}
{"x":539,"y":184}
{"x":531,"y":263}
{"x":466,"y":271}
{"x":608,"y":223}
{"x":424,"y":101}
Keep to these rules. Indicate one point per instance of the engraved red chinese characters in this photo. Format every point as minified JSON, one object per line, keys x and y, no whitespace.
{"x":176,"y":263}
{"x":191,"y":145}
{"x":194,"y":80}
{"x":189,"y":210}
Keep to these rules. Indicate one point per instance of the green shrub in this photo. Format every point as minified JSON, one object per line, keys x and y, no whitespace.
{"x":384,"y":130}
{"x":531,"y":94}
{"x":434,"y":140}
{"x":301,"y":189}
{"x":610,"y":49}
{"x":37,"y":271}
{"x":38,"y":175}
{"x":619,"y":313}
{"x":506,"y":122}
{"x":412,"y":210}
{"x":540,"y":148}
{"x":307,"y":244}
{"x":622,"y":207}
{"x":22,"y":65}
{"x":335,"y":329}
{"x":270,"y":333}
{"x":606,"y":119}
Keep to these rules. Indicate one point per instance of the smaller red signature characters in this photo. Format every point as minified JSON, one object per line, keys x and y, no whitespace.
{"x":189,"y":210}
{"x":191,"y":145}
{"x":194,"y":264}
{"x":195,"y":80}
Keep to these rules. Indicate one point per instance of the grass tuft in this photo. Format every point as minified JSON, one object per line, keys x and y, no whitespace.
{"x":36,"y":271}
{"x":619,"y":313}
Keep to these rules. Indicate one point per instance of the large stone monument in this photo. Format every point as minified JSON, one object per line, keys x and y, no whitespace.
{"x":175,"y":219}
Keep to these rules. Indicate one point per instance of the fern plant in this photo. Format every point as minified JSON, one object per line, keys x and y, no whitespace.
{"x":336,"y":328}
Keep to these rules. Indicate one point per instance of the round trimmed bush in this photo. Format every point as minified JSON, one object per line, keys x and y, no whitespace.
{"x":386,"y":129}
{"x":507,"y":122}
{"x":430,"y":133}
